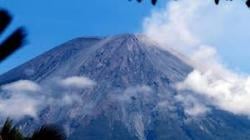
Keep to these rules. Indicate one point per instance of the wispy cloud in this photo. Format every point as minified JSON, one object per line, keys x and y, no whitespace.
{"x":27,"y":98}
{"x":77,"y":82}
{"x":22,"y":85}
{"x":188,"y":26}
{"x":20,"y":99}
{"x":192,"y":105}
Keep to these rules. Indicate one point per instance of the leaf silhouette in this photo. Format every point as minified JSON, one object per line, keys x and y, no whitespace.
{"x":48,"y":132}
{"x":216,"y":2}
{"x":5,"y":20}
{"x":10,"y":132}
{"x":14,"y":41}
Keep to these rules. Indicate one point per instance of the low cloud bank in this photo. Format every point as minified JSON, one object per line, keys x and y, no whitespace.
{"x":27,"y":98}
{"x":187,"y":26}
{"x":192,"y":105}
{"x":77,"y":82}
{"x":20,"y":99}
{"x":22,"y":86}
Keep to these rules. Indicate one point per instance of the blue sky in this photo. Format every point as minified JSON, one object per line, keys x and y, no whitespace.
{"x":52,"y":22}
{"x":216,"y":39}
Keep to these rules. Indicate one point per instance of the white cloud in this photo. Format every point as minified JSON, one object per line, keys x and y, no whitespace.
{"x":170,"y":27}
{"x":65,"y":99}
{"x":18,"y":106}
{"x":22,"y":85}
{"x":229,"y":93}
{"x":189,"y":26}
{"x":77,"y":82}
{"x":19,"y":99}
{"x":27,"y":98}
{"x":193,"y":106}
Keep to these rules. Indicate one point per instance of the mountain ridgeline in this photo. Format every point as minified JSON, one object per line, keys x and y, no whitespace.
{"x":134,"y":97}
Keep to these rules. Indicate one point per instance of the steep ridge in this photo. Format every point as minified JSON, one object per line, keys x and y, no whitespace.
{"x":134,"y":96}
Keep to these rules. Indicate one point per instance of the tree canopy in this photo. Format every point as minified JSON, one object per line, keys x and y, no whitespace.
{"x":216,"y":2}
{"x":46,"y":132}
{"x":14,"y":41}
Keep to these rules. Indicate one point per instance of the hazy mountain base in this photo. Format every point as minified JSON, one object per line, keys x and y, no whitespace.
{"x":134,"y":98}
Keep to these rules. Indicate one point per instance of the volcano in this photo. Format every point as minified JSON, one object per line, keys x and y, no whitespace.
{"x":134,"y":96}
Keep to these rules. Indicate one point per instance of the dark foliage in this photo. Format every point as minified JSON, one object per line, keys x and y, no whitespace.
{"x":14,"y":41}
{"x":9,"y":132}
{"x":48,"y":132}
{"x":216,"y":2}
{"x":5,"y":20}
{"x":152,"y":1}
{"x":247,"y":2}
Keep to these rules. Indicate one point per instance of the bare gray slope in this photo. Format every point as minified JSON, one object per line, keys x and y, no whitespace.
{"x":134,"y":96}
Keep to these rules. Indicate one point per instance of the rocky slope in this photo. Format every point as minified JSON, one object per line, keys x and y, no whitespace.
{"x":134,"y":96}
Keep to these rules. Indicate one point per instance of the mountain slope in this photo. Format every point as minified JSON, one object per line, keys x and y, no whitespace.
{"x":134,"y":96}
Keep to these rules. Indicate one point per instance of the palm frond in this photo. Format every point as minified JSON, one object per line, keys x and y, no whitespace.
{"x":5,"y":20}
{"x":248,"y":3}
{"x":216,"y":2}
{"x":48,"y":132}
{"x":10,"y":132}
{"x":14,"y":42}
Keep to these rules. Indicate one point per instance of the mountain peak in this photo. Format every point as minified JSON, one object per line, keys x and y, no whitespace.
{"x":72,"y":55}
{"x":132,"y":94}
{"x":128,"y":37}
